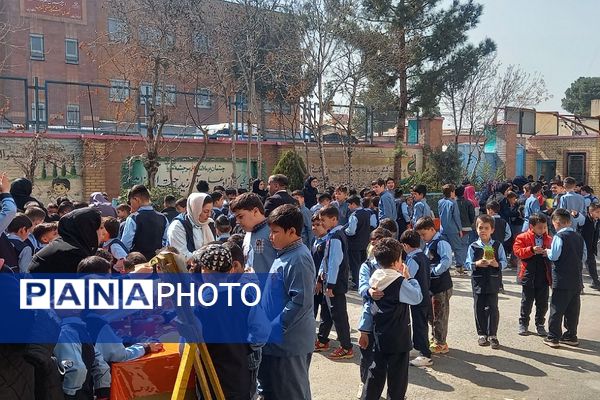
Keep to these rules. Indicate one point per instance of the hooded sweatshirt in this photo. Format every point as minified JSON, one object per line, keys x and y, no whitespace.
{"x":310,"y":193}
{"x":78,"y":231}
{"x":100,"y":203}
{"x":21,"y":190}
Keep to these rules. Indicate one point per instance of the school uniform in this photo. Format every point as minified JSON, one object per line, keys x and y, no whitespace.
{"x":532,"y":206}
{"x":568,"y":253}
{"x":418,"y":266}
{"x":572,"y":201}
{"x":307,"y":234}
{"x":486,"y":283}
{"x":358,"y":233}
{"x":439,"y":253}
{"x":534,"y":275}
{"x":318,"y":252}
{"x":116,"y":248}
{"x":344,"y":212}
{"x":590,"y":231}
{"x":391,"y":331}
{"x":403,"y":216}
{"x":145,"y":231}
{"x":23,"y":249}
{"x":258,"y":250}
{"x":387,"y":206}
{"x":365,"y":323}
{"x":589,"y":199}
{"x":334,"y":273}
{"x":451,"y":227}
{"x":283,"y":373}
{"x":420,"y":209}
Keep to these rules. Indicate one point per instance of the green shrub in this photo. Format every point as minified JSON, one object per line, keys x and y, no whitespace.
{"x":291,"y":165}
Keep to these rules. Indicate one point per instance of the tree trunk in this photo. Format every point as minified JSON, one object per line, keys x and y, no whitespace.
{"x":233,"y":135}
{"x":403,"y":106}
{"x":198,"y":163}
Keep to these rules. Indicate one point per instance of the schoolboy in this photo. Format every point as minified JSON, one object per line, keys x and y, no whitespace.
{"x":318,"y":252}
{"x":568,"y":253}
{"x":223,"y":228}
{"x":573,"y":202}
{"x":535,"y":272}
{"x":341,"y":194}
{"x":181,"y":205}
{"x":169,"y":210}
{"x":323,"y":200}
{"x":486,"y":280}
{"x":111,"y":243}
{"x":420,"y":207}
{"x":307,"y":235}
{"x":18,"y":234}
{"x":393,"y":290}
{"x":588,"y":195}
{"x":250,"y":215}
{"x":123,"y":211}
{"x":532,"y":204}
{"x":283,"y":372}
{"x":45,"y":233}
{"x":37,"y":216}
{"x":333,"y":282}
{"x":439,"y":253}
{"x":591,"y":234}
{"x":451,"y":225}
{"x":387,"y":204}
{"x":218,"y":201}
{"x":418,"y":266}
{"x":357,"y":232}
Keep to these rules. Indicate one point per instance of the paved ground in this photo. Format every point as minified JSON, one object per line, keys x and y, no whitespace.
{"x":523,"y":368}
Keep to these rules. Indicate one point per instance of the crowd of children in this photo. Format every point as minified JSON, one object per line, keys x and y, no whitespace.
{"x":388,"y":247}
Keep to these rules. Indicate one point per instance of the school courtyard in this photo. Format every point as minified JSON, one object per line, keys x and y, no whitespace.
{"x":523,"y":368}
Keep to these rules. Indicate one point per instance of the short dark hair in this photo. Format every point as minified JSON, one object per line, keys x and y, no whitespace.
{"x":557,"y":183}
{"x":287,"y":216}
{"x":448,"y":189}
{"x":124,"y":207}
{"x":594,"y":206}
{"x":139,"y":191}
{"x":112,"y":225}
{"x":219,"y":188}
{"x":459,"y":191}
{"x":561,"y":216}
{"x":202,"y":186}
{"x":65,"y":207}
{"x":105,"y":254}
{"x":411,"y":238}
{"x":569,"y":181}
{"x":366,"y":202}
{"x":375,"y":201}
{"x":181,"y":202}
{"x":387,"y":251}
{"x":247,"y":201}
{"x":511,"y":195}
{"x":535,"y":187}
{"x":136,"y":257}
{"x":380,"y":233}
{"x":379,"y":182}
{"x":398,"y":193}
{"x":587,"y":189}
{"x":354,"y":200}
{"x":485,"y":219}
{"x":420,"y":189}
{"x":280,"y":179}
{"x":298,"y":193}
{"x":19,"y":221}
{"x":231,"y":191}
{"x":242,"y":190}
{"x":537,"y":218}
{"x":389,"y":178}
{"x":389,"y":224}
{"x":330,"y":211}
{"x":236,"y":238}
{"x":424,"y":224}
{"x":237,"y":254}
{"x":493,"y":205}
{"x":342,"y":189}
{"x":170,"y":200}
{"x":216,"y":196}
{"x":44,"y":228}
{"x":222,"y":223}
{"x":35,"y":213}
{"x":94,"y":265}
{"x":323,"y":196}
{"x":80,"y":204}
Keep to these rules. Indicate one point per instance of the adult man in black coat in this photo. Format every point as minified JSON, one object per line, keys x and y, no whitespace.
{"x":278,"y":193}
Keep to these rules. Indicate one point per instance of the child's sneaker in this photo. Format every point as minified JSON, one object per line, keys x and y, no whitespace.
{"x":569,"y":341}
{"x":483,"y":341}
{"x":523,"y":330}
{"x":340,"y":353}
{"x":494,"y":342}
{"x":552,"y":343}
{"x":320,"y":347}
{"x":439,"y":348}
{"x":421,"y":361}
{"x":541,"y":331}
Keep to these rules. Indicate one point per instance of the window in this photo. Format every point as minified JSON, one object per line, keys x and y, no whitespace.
{"x":576,"y":166}
{"x":119,"y":90}
{"x":73,"y":119}
{"x":146,"y":93}
{"x":200,"y":42}
{"x":117,"y":30}
{"x":241,"y":103}
{"x":170,"y":95}
{"x":166,"y":94}
{"x":71,"y":51}
{"x":36,"y":45}
{"x":149,"y":36}
{"x":40,"y":115}
{"x":203,"y":98}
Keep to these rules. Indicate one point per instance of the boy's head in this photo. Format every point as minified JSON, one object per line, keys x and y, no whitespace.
{"x":353,"y":202}
{"x":277,"y":183}
{"x":324,"y":199}
{"x":111,"y":226}
{"x":218,"y":199}
{"x":249,"y":210}
{"x":329,"y":216}
{"x":222,"y":224}
{"x":366,"y":202}
{"x":561,"y":218}
{"x":123,"y":211}
{"x":485,"y":227}
{"x":36,"y":215}
{"x":237,"y":238}
{"x":20,"y":225}
{"x":594,"y":211}
{"x":94,"y":265}
{"x":137,"y":197}
{"x":136,"y":258}
{"x":410,"y":240}
{"x":557,"y":187}
{"x":181,"y":205}
{"x":390,"y":184}
{"x":77,"y":205}
{"x":380,"y":233}
{"x":169,"y":201}
{"x":52,"y":208}
{"x":46,"y":232}
{"x":425,"y":227}
{"x":202,"y":186}
{"x":459,"y":191}
{"x":419,"y":192}
{"x":492,"y":207}
{"x":237,"y":257}
{"x":538,"y":224}
{"x":388,"y":253}
{"x":286,"y":223}
{"x":219,"y":188}
{"x":341,"y":193}
{"x":389,"y":224}
{"x":535,"y":188}
{"x":586,"y":189}
{"x":449,"y":191}
{"x":231,"y":194}
{"x":512,"y":197}
{"x":317,"y":225}
{"x":65,"y":208}
{"x":299,"y":196}
{"x":570,"y":183}
{"x":378,"y":186}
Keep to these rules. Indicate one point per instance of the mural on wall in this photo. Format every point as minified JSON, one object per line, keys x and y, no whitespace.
{"x":65,"y":10}
{"x":176,"y":173}
{"x":57,"y":169}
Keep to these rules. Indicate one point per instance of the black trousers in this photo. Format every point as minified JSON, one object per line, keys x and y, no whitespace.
{"x":420,"y":327}
{"x":366,"y":359}
{"x":487,"y":315}
{"x":564,"y":303}
{"x":318,"y":301}
{"x":334,"y":312}
{"x":591,"y":266}
{"x":394,"y":367}
{"x":355,"y":259}
{"x":540,"y":295}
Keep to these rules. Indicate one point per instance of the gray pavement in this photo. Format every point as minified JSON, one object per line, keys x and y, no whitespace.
{"x":523,"y":368}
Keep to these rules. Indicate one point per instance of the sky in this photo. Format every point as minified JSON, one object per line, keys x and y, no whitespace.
{"x":557,"y":38}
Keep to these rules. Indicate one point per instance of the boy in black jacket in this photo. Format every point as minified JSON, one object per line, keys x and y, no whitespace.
{"x":591,"y":233}
{"x":393,"y":290}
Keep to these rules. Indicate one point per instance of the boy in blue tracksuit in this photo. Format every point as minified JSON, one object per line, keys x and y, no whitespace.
{"x":307,"y":235}
{"x":387,"y":203}
{"x":283,"y":372}
{"x":486,"y":279}
{"x":451,"y":225}
{"x":574,"y":203}
{"x":420,"y":207}
{"x":532,"y":205}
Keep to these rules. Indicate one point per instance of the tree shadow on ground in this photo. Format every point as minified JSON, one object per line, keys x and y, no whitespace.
{"x":568,"y":363}
{"x":421,"y":377}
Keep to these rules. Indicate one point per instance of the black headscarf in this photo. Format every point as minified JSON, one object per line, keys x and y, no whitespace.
{"x":21,"y":190}
{"x":310,"y":193}
{"x":255,"y":189}
{"x":78,"y":240}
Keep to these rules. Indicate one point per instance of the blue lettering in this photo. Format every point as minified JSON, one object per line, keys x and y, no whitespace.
{"x":135,"y":289}
{"x":68,"y":294}
{"x":41,"y":290}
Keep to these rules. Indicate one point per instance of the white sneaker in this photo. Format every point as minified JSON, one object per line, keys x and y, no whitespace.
{"x":421,"y":361}
{"x":360,"y":390}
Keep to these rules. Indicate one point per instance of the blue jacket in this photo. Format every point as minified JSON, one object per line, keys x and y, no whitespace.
{"x":365,"y":324}
{"x":8,"y":211}
{"x":574,"y":202}
{"x":258,"y":251}
{"x":420,"y":209}
{"x":387,"y":206}
{"x":307,"y":234}
{"x":449,"y":216}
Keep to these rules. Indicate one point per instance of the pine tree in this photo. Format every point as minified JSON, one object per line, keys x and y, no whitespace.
{"x":292,"y":165}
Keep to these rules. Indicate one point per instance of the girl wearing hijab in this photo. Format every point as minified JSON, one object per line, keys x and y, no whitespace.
{"x":21,"y":190}
{"x":79,"y":233}
{"x":258,"y":187}
{"x":310,"y":192}
{"x":100,"y":203}
{"x":189,"y":232}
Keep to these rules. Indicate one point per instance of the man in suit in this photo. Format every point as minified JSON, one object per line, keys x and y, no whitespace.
{"x":278,"y":193}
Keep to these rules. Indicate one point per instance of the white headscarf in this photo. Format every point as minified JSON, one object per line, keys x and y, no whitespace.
{"x":195,"y":203}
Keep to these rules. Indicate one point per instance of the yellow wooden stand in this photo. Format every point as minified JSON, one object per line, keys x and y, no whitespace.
{"x":195,"y":355}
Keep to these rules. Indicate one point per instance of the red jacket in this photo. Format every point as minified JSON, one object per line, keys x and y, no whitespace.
{"x":523,"y":248}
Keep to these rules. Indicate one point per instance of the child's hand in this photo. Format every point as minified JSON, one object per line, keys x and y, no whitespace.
{"x":405,"y":272}
{"x":155,"y":347}
{"x":538,"y":250}
{"x":119,"y":266}
{"x":494,"y":264}
{"x":363,"y":341}
{"x":375,"y":294}
{"x":4,"y":183}
{"x":483,"y":263}
{"x":329,"y":293}
{"x":319,"y":287}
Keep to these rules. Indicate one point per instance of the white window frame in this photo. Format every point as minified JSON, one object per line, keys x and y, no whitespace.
{"x":203,"y":98}
{"x":118,"y":33}
{"x":119,"y":91}
{"x":146,"y":93}
{"x":36,"y":54}
{"x":73,"y":110}
{"x":71,"y":58}
{"x":170,"y":95}
{"x":42,"y":112}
